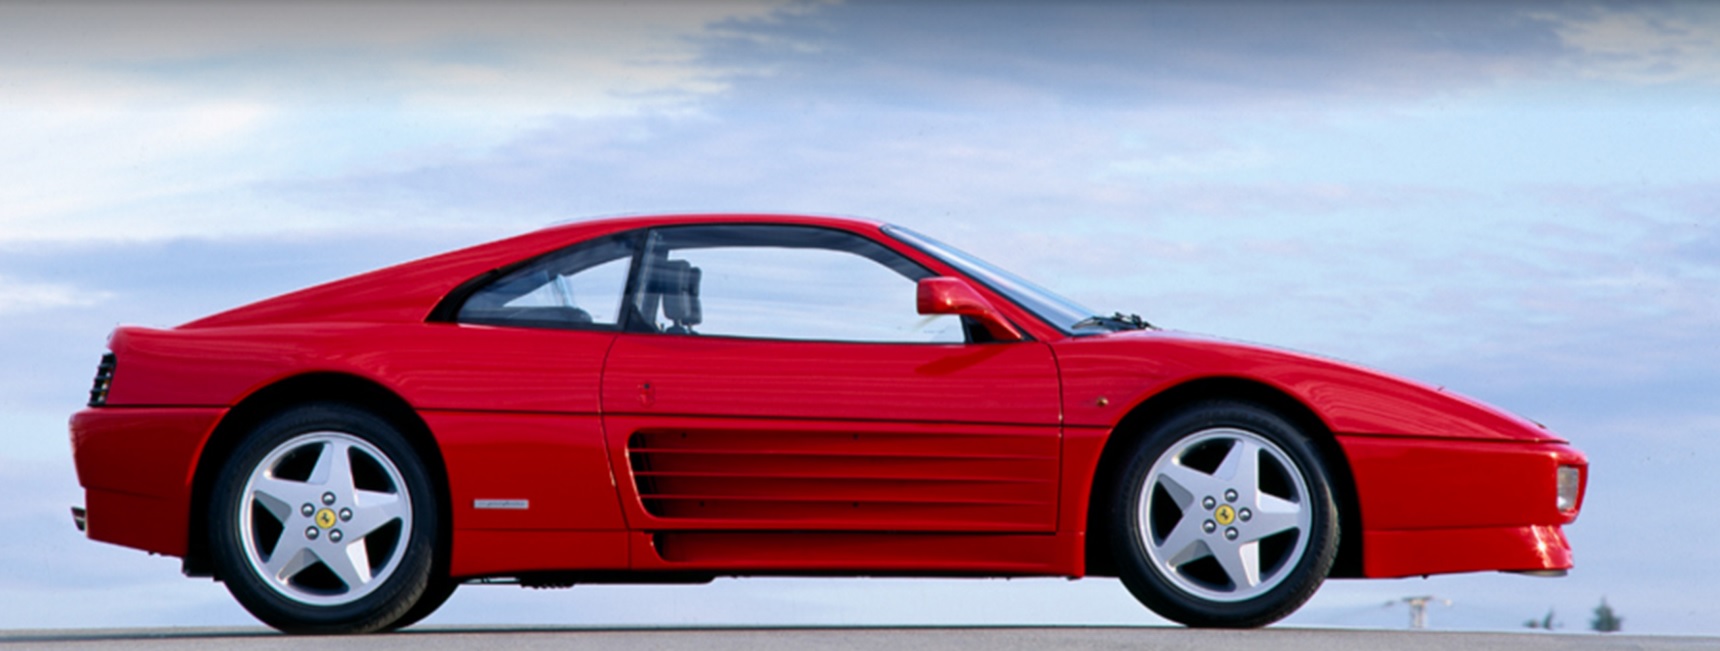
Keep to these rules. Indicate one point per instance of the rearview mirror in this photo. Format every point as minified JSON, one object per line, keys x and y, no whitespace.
{"x":944,"y":295}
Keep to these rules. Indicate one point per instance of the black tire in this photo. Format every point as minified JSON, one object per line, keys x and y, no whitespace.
{"x":314,"y":542}
{"x":435,"y":594}
{"x":1182,"y":530}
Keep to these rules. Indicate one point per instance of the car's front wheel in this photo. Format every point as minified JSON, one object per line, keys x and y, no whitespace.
{"x":324,"y":521}
{"x":1223,"y":516}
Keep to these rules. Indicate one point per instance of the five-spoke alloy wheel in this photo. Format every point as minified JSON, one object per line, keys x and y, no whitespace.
{"x":1224,"y":517}
{"x":324,"y":521}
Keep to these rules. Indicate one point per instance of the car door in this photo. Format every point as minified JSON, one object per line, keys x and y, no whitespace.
{"x":778,"y":377}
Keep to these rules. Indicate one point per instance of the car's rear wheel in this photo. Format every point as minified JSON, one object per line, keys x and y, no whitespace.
{"x":324,"y":521}
{"x":1223,"y":516}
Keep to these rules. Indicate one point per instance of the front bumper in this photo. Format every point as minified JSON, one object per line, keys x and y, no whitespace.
{"x":1435,"y":506}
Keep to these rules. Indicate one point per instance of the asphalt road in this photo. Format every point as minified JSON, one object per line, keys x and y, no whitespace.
{"x":892,"y":639}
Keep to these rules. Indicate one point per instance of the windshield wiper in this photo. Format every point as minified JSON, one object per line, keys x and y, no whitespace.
{"x":1115,"y":322}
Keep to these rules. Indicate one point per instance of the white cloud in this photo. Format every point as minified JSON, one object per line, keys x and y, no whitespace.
{"x":1203,"y":163}
{"x":588,"y":58}
{"x":144,"y":121}
{"x":108,"y":140}
{"x":1644,"y":45}
{"x":19,"y":297}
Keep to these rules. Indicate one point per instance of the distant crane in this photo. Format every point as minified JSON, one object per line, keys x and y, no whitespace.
{"x":1418,"y":609}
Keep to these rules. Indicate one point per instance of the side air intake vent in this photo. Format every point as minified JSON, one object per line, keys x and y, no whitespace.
{"x":909,"y":480}
{"x":104,"y":380}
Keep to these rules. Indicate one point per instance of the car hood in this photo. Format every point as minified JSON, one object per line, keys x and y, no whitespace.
{"x":1350,"y":399}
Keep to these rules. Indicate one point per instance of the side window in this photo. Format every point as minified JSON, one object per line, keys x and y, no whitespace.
{"x":783,"y":282}
{"x":581,"y":287}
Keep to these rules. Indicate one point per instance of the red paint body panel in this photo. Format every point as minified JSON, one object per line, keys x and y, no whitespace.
{"x":137,"y":465}
{"x":154,"y":524}
{"x":670,"y":452}
{"x":149,"y":452}
{"x":816,"y":435}
{"x":487,"y":552}
{"x":856,"y":553}
{"x":431,"y":366}
{"x":1412,"y":483}
{"x":797,"y":475}
{"x":1128,"y":368}
{"x":1433,"y":506}
{"x":556,"y":463}
{"x":1082,"y":448}
{"x":1443,"y":551}
{"x":1013,"y":384}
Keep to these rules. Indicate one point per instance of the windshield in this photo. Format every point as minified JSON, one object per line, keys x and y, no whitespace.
{"x":1058,"y":311}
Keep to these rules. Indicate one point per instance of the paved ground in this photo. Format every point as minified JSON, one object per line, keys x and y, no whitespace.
{"x":892,"y":639}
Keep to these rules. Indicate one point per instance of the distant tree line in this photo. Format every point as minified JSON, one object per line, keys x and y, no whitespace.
{"x":1604,"y":621}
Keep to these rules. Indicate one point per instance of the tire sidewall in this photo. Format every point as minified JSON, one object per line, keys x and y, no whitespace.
{"x":383,"y":604}
{"x":1159,"y":593}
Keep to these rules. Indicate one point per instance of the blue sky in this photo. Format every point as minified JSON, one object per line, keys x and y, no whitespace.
{"x":1516,"y":200}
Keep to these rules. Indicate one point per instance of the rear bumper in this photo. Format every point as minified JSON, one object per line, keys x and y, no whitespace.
{"x":136,"y":466}
{"x":155,"y":525}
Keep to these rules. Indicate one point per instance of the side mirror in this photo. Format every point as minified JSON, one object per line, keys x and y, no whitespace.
{"x":945,"y":295}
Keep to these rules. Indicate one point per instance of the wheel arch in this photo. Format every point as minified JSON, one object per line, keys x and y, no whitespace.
{"x":1139,"y":420}
{"x":299,"y":390}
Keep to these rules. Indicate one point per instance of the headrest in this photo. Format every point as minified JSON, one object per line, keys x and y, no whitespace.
{"x":677,"y":281}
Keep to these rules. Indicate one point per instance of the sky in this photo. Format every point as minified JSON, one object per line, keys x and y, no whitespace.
{"x":1518,"y":201}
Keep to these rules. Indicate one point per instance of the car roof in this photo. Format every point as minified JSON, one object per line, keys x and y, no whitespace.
{"x":408,"y":291}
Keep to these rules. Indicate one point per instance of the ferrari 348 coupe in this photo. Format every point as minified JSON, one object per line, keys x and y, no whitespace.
{"x":668,"y":399}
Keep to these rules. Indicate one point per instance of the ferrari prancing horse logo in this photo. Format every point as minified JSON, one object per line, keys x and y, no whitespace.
{"x":325,"y":518}
{"x":1224,"y":515}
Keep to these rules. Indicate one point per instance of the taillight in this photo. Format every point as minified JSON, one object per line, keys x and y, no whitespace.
{"x":104,"y":380}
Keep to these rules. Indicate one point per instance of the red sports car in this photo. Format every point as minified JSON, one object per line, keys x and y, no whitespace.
{"x":667,"y":399}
